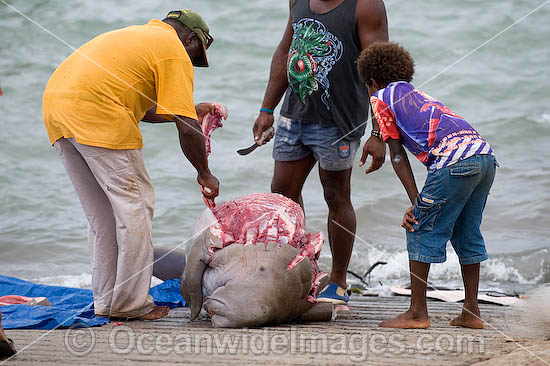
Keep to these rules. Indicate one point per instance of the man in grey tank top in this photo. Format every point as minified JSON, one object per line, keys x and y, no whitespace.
{"x":324,"y":113}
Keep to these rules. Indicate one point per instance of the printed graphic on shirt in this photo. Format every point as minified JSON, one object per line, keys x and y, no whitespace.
{"x":313,"y":53}
{"x":436,"y":135}
{"x":385,"y":118}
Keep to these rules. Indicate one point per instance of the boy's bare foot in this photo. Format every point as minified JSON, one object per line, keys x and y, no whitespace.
{"x":407,"y":320}
{"x":469,"y":318}
{"x":467,"y":321}
{"x":157,"y":313}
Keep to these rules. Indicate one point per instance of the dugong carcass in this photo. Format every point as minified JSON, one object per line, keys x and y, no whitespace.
{"x":255,"y":264}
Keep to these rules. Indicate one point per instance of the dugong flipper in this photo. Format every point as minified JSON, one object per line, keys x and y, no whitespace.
{"x":197,"y":261}
{"x":169,"y":262}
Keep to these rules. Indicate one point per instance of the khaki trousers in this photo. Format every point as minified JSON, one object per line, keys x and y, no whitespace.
{"x":117,"y":196}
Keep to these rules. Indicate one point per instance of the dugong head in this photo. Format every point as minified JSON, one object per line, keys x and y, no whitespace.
{"x":249,"y":285}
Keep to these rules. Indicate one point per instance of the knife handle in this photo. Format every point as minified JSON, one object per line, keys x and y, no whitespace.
{"x":265,"y":134}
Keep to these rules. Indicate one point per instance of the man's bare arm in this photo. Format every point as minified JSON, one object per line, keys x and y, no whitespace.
{"x":151,"y":116}
{"x":372,"y":26}
{"x":372,"y":22}
{"x":278,"y":81}
{"x":192,"y":145}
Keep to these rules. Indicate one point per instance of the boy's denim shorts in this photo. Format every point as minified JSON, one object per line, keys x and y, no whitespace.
{"x":450,"y":207}
{"x":294,"y":140}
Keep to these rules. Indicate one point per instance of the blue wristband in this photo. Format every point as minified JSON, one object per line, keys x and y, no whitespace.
{"x":267,"y":110}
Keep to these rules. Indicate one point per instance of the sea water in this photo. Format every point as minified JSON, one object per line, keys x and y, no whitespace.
{"x":487,"y":60}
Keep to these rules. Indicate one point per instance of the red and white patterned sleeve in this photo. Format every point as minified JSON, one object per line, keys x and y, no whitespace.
{"x":385,"y":118}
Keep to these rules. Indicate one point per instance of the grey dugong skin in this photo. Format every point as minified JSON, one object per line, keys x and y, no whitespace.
{"x":168,"y":262}
{"x":245,"y":285}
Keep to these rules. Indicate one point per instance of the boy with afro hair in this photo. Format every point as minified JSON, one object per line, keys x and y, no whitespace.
{"x":461,"y":169}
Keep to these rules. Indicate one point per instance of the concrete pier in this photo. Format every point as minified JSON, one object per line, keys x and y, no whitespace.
{"x":353,"y":338}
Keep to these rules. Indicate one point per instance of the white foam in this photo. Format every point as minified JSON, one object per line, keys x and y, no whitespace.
{"x":543,"y":118}
{"x":83,"y":280}
{"x":496,"y":271}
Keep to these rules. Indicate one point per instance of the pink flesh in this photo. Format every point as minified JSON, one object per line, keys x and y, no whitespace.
{"x":14,"y":299}
{"x":262,"y":217}
{"x":210,"y":122}
{"x":265,"y":217}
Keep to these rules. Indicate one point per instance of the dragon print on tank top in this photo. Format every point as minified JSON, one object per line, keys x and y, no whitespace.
{"x":313,"y":53}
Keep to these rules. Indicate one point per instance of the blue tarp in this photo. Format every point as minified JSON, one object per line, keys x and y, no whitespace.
{"x":71,"y":307}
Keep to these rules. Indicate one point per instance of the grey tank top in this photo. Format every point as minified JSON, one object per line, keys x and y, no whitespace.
{"x":323,"y":83}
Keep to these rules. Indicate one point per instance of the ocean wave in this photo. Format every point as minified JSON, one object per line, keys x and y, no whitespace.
{"x":83,"y":280}
{"x":522,"y":270}
{"x":542,"y":118}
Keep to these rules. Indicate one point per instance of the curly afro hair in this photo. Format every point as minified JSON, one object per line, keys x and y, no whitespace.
{"x":385,"y":62}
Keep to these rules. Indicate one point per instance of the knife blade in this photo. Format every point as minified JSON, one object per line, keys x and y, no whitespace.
{"x":248,"y":150}
{"x":254,"y":146}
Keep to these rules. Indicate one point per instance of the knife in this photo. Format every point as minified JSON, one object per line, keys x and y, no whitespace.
{"x":248,"y":150}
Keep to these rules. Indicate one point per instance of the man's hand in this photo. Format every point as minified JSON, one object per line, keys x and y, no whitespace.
{"x":209,"y":185}
{"x":376,"y":148}
{"x":409,"y":220}
{"x":263,"y":122}
{"x":203,"y":109}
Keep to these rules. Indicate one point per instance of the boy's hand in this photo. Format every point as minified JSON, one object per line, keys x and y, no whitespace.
{"x":409,"y":220}
{"x":377,"y":149}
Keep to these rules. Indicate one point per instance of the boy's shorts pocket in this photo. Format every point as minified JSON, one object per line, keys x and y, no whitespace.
{"x":465,"y":170}
{"x":426,"y":210}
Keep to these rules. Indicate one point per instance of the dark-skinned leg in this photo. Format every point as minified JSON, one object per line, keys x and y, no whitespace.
{"x":289,"y":177}
{"x":341,"y":221}
{"x":470,"y":317}
{"x":417,"y":315}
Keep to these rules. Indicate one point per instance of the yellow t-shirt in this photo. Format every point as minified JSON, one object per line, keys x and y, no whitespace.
{"x":100,"y":92}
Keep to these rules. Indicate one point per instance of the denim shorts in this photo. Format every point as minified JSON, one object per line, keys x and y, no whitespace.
{"x":294,"y":140}
{"x":450,"y":207}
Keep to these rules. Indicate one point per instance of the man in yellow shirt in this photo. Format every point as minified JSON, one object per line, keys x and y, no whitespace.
{"x":92,"y":105}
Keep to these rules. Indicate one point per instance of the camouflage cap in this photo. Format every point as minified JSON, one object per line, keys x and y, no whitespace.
{"x":195,"y":22}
